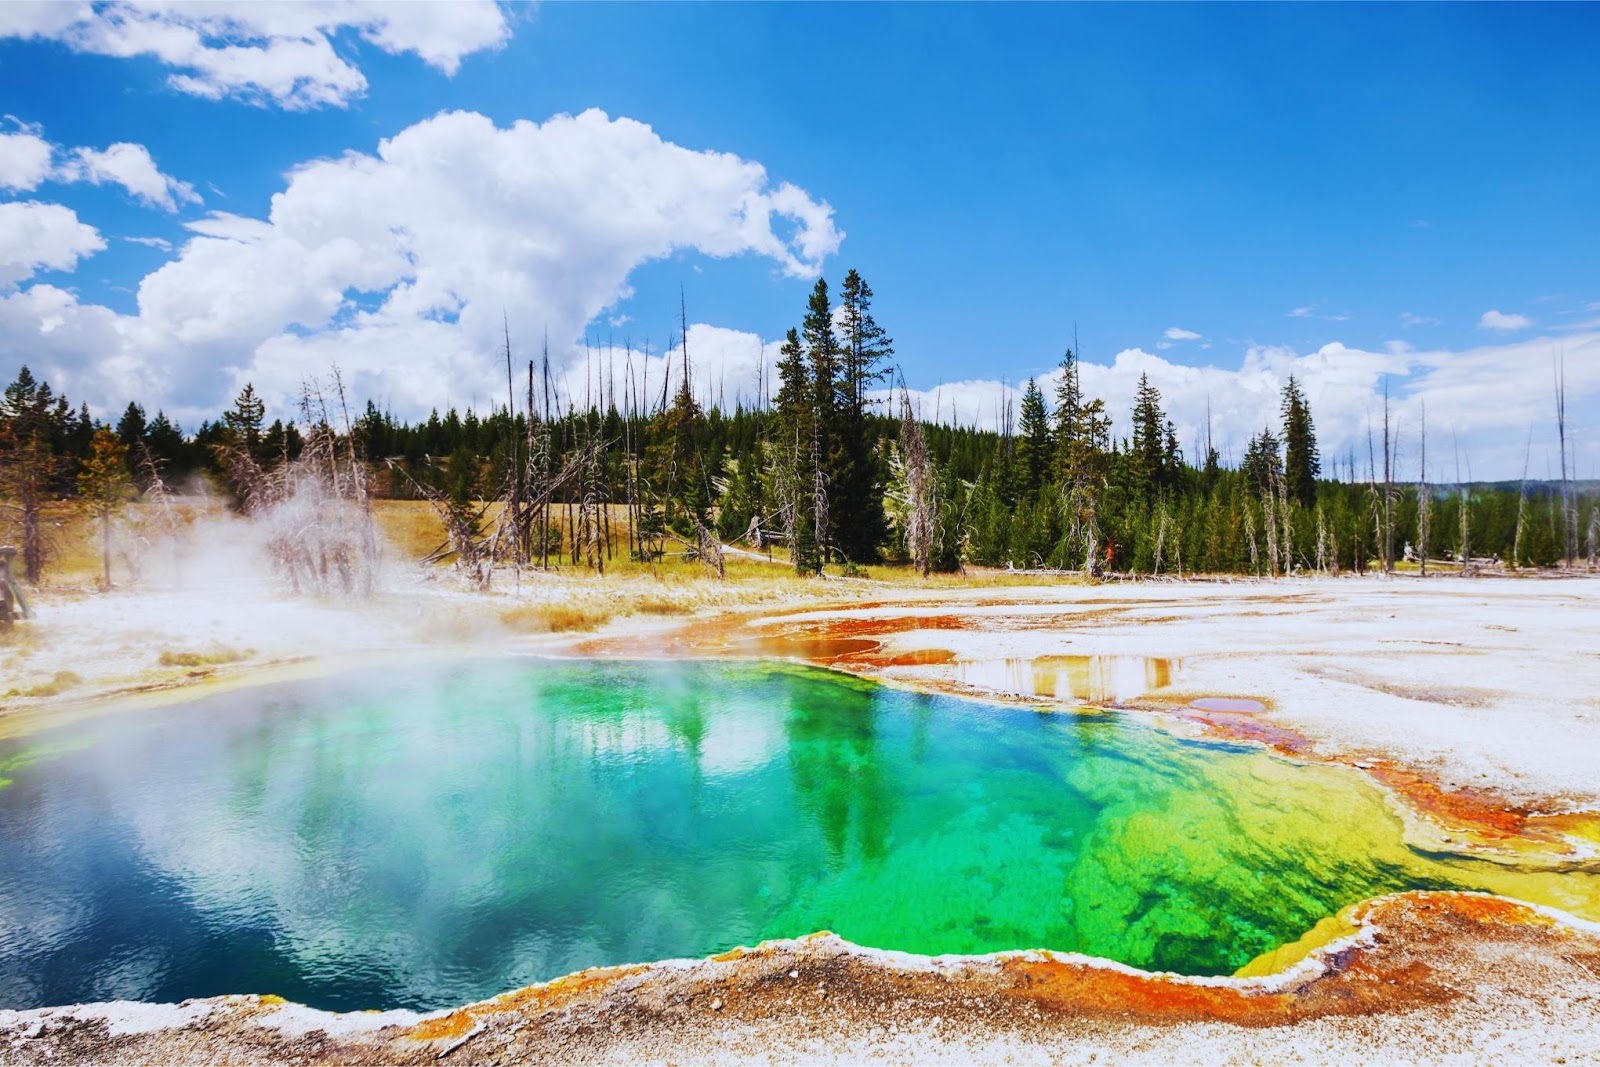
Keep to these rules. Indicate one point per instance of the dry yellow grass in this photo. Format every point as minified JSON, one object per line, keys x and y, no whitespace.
{"x":211,"y":657}
{"x":72,"y":538}
{"x":410,"y":527}
{"x":58,"y":684}
{"x":411,"y":530}
{"x":554,"y":618}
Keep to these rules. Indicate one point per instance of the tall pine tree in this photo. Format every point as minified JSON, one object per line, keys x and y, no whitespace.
{"x":1069,"y":411}
{"x":1301,"y":463}
{"x":822,"y":352}
{"x":1033,"y":446}
{"x":1150,"y":447}
{"x":857,"y":472}
{"x":795,"y":469}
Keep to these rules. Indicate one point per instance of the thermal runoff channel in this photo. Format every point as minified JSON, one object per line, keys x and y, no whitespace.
{"x":439,"y":833}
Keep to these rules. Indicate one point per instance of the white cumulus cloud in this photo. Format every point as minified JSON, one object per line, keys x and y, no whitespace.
{"x":1499,"y":320}
{"x":24,"y":160}
{"x":1483,"y":399}
{"x":399,"y":265}
{"x":27,"y":160}
{"x":130,"y":166}
{"x":36,"y":236}
{"x":279,"y":52}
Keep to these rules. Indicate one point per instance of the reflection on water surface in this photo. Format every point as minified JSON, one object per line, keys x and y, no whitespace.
{"x":1092,"y":679}
{"x":433,"y":834}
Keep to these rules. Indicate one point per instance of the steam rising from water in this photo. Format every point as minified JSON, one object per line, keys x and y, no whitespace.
{"x":433,"y":834}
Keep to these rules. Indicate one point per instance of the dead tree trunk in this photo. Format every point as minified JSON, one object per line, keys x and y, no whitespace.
{"x":1269,"y":504}
{"x":1466,"y":522}
{"x":7,"y":611}
{"x":1423,"y":496}
{"x":1522,"y":503}
{"x":919,"y":481}
{"x":1388,"y":478}
{"x":1569,"y":524}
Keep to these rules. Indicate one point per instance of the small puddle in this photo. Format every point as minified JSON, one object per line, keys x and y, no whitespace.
{"x":816,"y":649}
{"x":1095,"y":679}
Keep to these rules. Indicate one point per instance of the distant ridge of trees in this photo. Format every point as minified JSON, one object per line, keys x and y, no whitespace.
{"x":821,"y":466}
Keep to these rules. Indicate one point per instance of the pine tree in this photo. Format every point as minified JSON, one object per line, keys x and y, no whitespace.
{"x":1034,"y":446}
{"x":1149,"y":446}
{"x":1301,"y":463}
{"x":131,"y":427}
{"x":794,"y":472}
{"x":244,"y":421}
{"x":793,"y":401}
{"x":1262,"y":466}
{"x":822,"y":352}
{"x":685,"y":462}
{"x":1069,"y":415}
{"x":857,"y":475}
{"x":35,"y":426}
{"x":165,"y":439}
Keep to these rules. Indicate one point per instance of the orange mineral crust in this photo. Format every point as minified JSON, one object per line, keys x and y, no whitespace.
{"x":843,"y":642}
{"x":1411,"y":977}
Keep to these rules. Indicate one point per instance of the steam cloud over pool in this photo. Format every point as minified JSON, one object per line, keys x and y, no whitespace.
{"x":433,"y":834}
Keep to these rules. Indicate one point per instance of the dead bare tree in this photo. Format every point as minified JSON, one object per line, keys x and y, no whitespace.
{"x":1464,"y":502}
{"x":1569,"y":518}
{"x":1374,"y":498}
{"x":819,"y":502}
{"x":1269,"y":503}
{"x":461,"y":533}
{"x":1285,"y":519}
{"x":1160,"y":524}
{"x":161,"y":514}
{"x":1522,"y":503}
{"x":918,"y":504}
{"x":710,"y":550}
{"x":1423,"y":496}
{"x":1250,"y":533}
{"x":1322,"y":542}
{"x":314,"y":509}
{"x":1594,"y":537}
{"x":518,"y":526}
{"x":1388,"y":481}
{"x":786,"y":488}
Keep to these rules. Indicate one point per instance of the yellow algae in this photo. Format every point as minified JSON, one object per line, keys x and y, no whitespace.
{"x":1287,"y":955}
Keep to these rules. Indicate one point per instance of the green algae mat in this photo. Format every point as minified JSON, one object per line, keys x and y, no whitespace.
{"x":431,"y":834}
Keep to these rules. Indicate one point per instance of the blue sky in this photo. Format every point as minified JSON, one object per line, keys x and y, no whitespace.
{"x":1341,"y":192}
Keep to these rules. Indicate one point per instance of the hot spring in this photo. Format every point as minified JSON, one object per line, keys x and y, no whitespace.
{"x":437,"y":833}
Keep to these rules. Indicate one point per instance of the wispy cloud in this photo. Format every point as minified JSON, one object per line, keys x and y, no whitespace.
{"x":1176,"y":333}
{"x":1312,"y":311}
{"x":151,"y":242}
{"x":1408,"y":319}
{"x":1499,"y":320}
